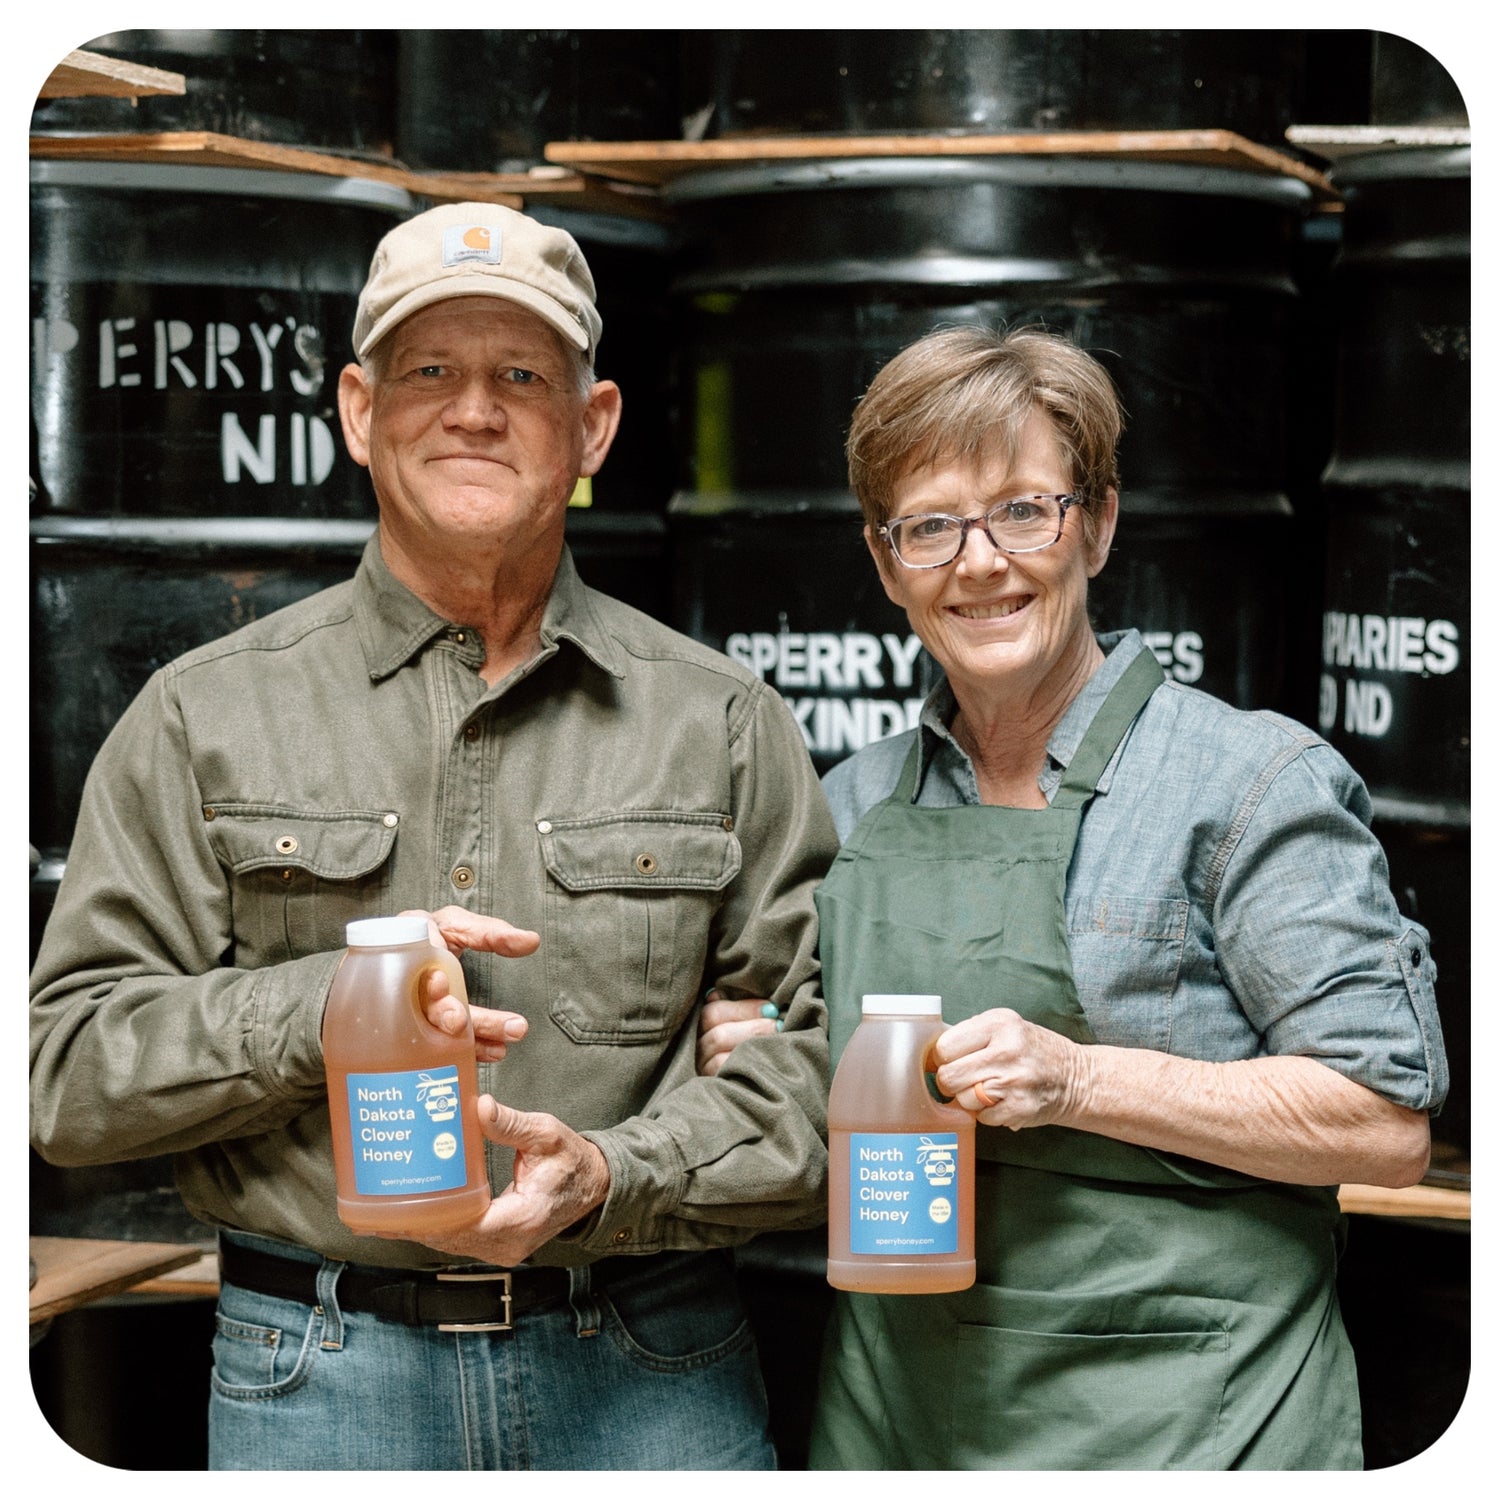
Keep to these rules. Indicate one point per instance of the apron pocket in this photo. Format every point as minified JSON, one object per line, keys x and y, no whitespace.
{"x":1051,"y":1381}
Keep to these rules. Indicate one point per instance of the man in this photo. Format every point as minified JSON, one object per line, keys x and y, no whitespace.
{"x":463,"y":729}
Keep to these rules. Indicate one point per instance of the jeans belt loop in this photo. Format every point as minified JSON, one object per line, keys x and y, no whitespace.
{"x":585,"y":1306}
{"x":505,"y":1293}
{"x":328,"y":1304}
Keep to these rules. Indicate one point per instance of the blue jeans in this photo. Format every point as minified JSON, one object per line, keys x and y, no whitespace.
{"x":659,"y":1371}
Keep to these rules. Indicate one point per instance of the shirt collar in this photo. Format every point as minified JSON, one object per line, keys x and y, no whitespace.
{"x":394,"y":625}
{"x":1120,"y":647}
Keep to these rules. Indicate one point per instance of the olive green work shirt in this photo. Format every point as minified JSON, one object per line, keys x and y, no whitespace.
{"x":645,"y":804}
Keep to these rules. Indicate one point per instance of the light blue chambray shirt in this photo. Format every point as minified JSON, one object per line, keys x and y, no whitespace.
{"x":1226,"y":898}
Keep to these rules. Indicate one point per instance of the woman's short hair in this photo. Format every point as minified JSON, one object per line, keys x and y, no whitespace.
{"x":961,"y":394}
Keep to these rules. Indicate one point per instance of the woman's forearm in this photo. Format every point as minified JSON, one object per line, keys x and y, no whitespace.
{"x":1288,"y":1119}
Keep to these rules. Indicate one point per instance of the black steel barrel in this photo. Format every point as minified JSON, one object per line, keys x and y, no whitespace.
{"x":783,"y":584}
{"x":188,"y":325}
{"x":764,"y":83}
{"x":489,"y":101}
{"x":187,"y":329}
{"x":631,"y":261}
{"x":323,"y":90}
{"x":799,"y":283}
{"x":1396,"y":687}
{"x":1409,"y":86}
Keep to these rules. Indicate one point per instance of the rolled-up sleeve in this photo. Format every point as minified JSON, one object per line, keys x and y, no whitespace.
{"x":1310,"y":940}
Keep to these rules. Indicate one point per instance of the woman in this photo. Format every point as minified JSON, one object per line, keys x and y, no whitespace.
{"x":1183,"y":1004}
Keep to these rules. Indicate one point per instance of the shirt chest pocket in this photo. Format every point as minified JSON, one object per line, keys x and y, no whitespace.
{"x":1127,"y":955}
{"x":631,"y":898}
{"x":297,"y":877}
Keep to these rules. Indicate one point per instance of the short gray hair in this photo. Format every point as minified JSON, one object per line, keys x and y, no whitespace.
{"x":958,"y":392}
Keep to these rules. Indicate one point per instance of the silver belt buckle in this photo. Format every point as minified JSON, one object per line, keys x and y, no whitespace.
{"x":479,"y":1276}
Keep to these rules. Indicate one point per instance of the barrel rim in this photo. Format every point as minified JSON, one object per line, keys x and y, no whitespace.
{"x":237,"y":181}
{"x":166,"y":533}
{"x":1402,"y":162}
{"x":774,"y":501}
{"x":948,"y":171}
{"x":605,"y":229}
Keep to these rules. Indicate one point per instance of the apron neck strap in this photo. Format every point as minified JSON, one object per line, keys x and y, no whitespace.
{"x":1116,"y":714}
{"x":1102,"y":738}
{"x":906,"y":786}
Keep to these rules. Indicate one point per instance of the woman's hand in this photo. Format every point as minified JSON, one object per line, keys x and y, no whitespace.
{"x":1284,"y":1118}
{"x":724,"y":1024}
{"x":454,"y":929}
{"x":1006,"y":1071}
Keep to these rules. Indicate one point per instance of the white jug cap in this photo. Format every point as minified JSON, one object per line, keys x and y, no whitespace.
{"x":386,"y":932}
{"x":902,"y":1005}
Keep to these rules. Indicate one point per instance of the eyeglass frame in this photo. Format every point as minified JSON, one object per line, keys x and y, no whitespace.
{"x":966,"y":523}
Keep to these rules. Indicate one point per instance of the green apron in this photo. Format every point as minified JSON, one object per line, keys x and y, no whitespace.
{"x":1133,"y":1309}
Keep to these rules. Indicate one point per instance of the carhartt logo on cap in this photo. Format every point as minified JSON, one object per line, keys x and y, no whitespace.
{"x":466,"y":242}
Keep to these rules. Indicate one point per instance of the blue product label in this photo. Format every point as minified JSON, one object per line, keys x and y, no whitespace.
{"x":903,"y":1194}
{"x":408,"y":1132}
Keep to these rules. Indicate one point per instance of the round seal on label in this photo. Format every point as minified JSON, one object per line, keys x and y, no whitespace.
{"x":444,"y":1145}
{"x":940,"y":1210}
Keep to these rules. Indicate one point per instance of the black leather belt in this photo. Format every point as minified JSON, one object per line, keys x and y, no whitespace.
{"x":462,"y":1300}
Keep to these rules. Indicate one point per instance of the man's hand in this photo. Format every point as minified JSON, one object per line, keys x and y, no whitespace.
{"x":454,"y":929}
{"x":558,"y":1178}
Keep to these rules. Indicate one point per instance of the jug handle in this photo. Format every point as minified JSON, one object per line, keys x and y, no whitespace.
{"x":444,"y":960}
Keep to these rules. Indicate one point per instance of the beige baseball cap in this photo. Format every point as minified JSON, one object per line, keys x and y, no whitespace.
{"x":478,"y":250}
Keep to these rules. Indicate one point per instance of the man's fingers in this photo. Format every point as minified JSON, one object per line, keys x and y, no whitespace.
{"x":511,"y":1127}
{"x":462,"y":929}
{"x":499,"y":1026}
{"x":454,"y":928}
{"x":495,"y":1031}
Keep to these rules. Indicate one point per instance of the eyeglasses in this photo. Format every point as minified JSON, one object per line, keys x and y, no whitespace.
{"x":1026,"y":524}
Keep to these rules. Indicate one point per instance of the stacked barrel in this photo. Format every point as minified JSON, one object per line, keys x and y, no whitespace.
{"x":1395,"y":690}
{"x":799,"y":280}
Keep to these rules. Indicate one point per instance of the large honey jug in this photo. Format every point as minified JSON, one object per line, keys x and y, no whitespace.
{"x":402,"y":1093}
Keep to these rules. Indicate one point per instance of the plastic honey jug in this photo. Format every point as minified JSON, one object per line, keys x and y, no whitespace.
{"x":900,"y":1162}
{"x":402,"y":1094}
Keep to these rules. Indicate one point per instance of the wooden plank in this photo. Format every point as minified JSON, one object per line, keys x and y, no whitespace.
{"x":559,"y":185}
{"x":200,"y":1278}
{"x":1338,"y":142}
{"x":82,"y":75}
{"x":657,"y":163}
{"x":205,"y":148}
{"x":1420,"y":1202}
{"x":72,"y":1272}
